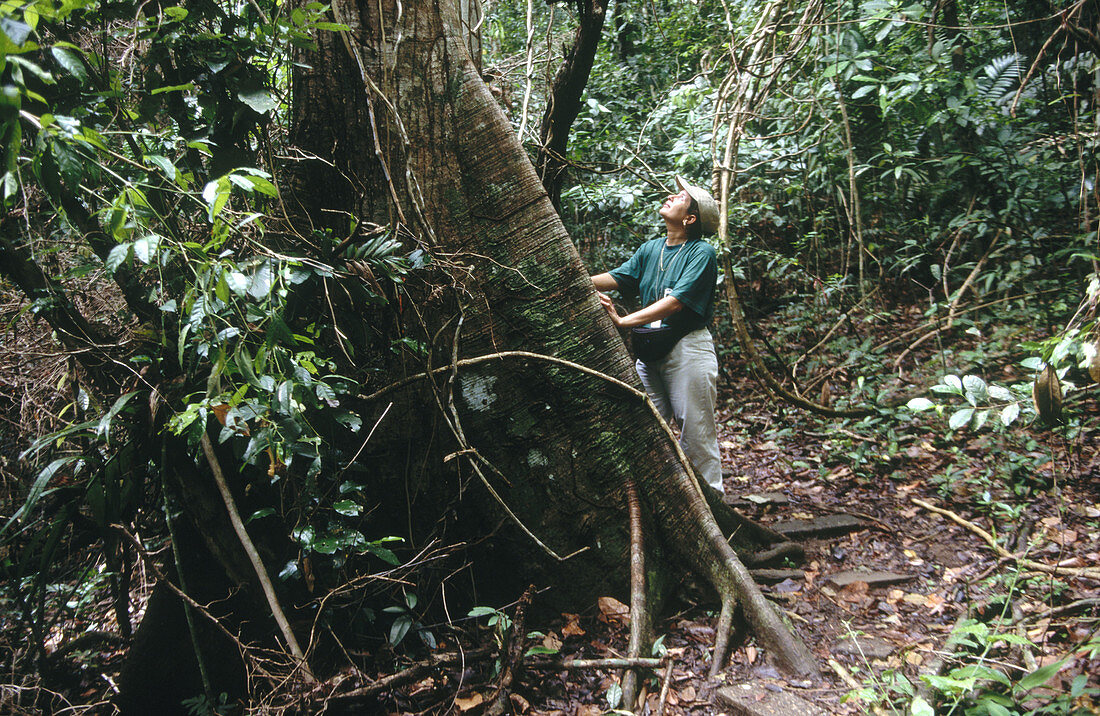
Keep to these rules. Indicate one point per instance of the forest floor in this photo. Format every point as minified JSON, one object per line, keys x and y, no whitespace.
{"x":940,"y":616}
{"x":874,"y":639}
{"x":1035,"y":491}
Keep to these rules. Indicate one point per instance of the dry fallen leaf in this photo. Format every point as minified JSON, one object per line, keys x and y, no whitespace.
{"x":612,"y":609}
{"x":469,"y":702}
{"x":552,"y":642}
{"x":854,"y":592}
{"x":572,"y":625}
{"x":914,"y":658}
{"x":519,"y":704}
{"x":750,"y":654}
{"x":688,"y":694}
{"x":894,"y":595}
{"x":801,"y":516}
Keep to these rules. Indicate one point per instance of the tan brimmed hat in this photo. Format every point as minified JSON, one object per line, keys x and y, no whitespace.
{"x":708,"y":207}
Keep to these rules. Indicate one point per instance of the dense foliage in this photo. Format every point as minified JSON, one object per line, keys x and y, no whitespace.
{"x":942,"y":156}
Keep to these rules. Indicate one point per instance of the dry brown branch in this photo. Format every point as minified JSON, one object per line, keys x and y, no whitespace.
{"x":1084,"y":572}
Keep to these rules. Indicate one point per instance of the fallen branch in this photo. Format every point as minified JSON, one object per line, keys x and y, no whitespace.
{"x":408,"y":675}
{"x":640,"y":662}
{"x":1072,"y":608}
{"x":1086,"y":572}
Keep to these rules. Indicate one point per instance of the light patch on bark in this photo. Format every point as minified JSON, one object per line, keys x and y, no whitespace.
{"x":478,"y":392}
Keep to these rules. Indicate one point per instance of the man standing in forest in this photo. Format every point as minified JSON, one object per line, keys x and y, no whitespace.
{"x":676,"y":278}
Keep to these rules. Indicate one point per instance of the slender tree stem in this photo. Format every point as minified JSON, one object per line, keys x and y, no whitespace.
{"x":254,"y":557}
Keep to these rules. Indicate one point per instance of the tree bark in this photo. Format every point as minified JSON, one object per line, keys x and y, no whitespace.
{"x":429,"y":148}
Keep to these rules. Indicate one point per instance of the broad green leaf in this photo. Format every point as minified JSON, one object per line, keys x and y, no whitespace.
{"x":260,"y":100}
{"x":117,"y":256}
{"x":1010,"y":413}
{"x":1040,"y":676}
{"x":960,"y":418}
{"x":400,"y":628}
{"x":973,"y":384}
{"x":920,"y":707}
{"x":259,"y":514}
{"x":348,"y":508}
{"x":261,"y":283}
{"x":481,"y":612}
{"x":919,"y":404}
{"x":999,"y":392}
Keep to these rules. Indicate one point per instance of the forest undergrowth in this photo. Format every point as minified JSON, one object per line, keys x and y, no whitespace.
{"x":964,"y":582}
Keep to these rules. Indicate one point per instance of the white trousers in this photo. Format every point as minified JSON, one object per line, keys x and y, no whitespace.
{"x":684,"y":387}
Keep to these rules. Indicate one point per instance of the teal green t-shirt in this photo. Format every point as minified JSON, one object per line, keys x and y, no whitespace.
{"x":688,"y":271}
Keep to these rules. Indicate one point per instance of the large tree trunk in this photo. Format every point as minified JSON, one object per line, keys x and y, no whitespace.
{"x":408,"y":122}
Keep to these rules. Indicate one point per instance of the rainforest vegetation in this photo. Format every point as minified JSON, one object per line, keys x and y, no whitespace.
{"x":307,"y":401}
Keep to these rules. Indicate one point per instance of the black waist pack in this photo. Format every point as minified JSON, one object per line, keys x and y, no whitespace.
{"x":652,"y":344}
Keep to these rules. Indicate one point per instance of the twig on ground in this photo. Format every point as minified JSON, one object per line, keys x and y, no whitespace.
{"x":412,"y":673}
{"x":666,"y":679}
{"x":641,"y":662}
{"x":1085,"y":572}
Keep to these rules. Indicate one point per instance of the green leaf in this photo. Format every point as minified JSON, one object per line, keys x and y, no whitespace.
{"x":920,"y":707}
{"x":145,"y":248}
{"x":979,"y":671}
{"x":960,"y":418}
{"x":260,"y":100}
{"x":117,"y":256}
{"x":1010,"y":413}
{"x":481,"y":612}
{"x":400,"y":628}
{"x":919,"y":404}
{"x":349,"y":508}
{"x":163,"y":163}
{"x":71,"y":61}
{"x":259,"y":514}
{"x":262,"y":281}
{"x":326,"y":545}
{"x":999,"y":392}
{"x":1040,"y":676}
